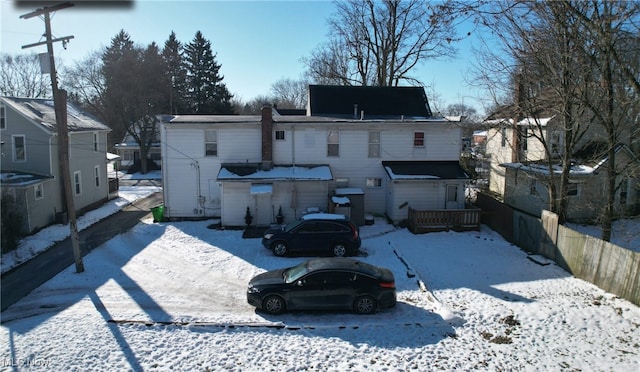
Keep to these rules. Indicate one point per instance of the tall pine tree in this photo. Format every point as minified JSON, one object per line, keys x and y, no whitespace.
{"x":206,"y":92}
{"x":173,"y":56}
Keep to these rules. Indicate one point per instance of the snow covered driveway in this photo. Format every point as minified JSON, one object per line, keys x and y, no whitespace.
{"x":172,"y":296}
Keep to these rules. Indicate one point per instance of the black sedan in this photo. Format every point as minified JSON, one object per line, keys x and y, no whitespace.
{"x":323,"y":284}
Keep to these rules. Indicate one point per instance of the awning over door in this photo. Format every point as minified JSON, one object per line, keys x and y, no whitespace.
{"x":261,"y":189}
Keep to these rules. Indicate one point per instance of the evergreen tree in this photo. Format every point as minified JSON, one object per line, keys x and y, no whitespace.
{"x":206,"y":92}
{"x":173,"y":56}
{"x":120,"y":81}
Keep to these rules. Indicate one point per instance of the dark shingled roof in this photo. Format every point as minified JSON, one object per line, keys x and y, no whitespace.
{"x":423,"y":169}
{"x":330,"y":100}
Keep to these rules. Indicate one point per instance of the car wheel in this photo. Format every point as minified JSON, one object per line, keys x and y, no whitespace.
{"x":364,"y":305}
{"x":280,"y":249}
{"x":273,"y":304}
{"x":339,"y":250}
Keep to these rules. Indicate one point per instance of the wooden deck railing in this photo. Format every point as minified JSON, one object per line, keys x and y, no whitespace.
{"x":444,"y":220}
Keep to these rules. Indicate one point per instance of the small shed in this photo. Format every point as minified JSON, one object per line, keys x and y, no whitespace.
{"x":351,"y":199}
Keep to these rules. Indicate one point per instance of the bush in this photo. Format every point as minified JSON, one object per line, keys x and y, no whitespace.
{"x":10,"y":224}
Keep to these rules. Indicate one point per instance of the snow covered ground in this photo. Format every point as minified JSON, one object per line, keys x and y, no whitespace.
{"x":171,"y":296}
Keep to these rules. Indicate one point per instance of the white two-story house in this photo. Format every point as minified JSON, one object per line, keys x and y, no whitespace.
{"x":379,"y":146}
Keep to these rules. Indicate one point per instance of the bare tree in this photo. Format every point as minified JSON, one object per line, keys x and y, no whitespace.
{"x":380,"y":42}
{"x":21,"y":76}
{"x":573,"y":59}
{"x":290,"y":93}
{"x":538,"y":64}
{"x":613,"y":55}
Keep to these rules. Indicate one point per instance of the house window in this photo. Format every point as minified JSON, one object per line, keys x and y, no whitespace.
{"x":418,"y":139}
{"x":19,"y":148}
{"x":555,"y":144}
{"x":38,"y":191}
{"x":572,"y":189}
{"x":374,"y":144}
{"x":532,"y":187}
{"x":503,"y":133}
{"x":524,"y":139}
{"x":155,"y":156}
{"x":342,"y":182}
{"x":95,"y":142}
{"x":279,"y":135}
{"x":96,"y":172}
{"x":333,"y":143}
{"x":374,"y":182}
{"x":623,"y":191}
{"x":77,"y":182}
{"x":211,"y":142}
{"x":128,"y":156}
{"x":2,"y":117}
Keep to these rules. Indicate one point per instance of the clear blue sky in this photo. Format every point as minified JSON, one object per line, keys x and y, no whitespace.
{"x":257,"y":42}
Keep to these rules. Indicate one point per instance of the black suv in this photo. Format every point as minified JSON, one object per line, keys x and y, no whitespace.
{"x":317,"y":232}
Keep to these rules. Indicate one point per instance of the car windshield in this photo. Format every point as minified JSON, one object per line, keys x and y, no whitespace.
{"x":296,"y":272}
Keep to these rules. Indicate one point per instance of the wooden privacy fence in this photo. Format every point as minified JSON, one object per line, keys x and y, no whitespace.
{"x":444,"y":220}
{"x":612,"y":268}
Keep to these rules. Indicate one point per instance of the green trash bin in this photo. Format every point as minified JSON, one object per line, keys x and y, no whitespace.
{"x":158,"y":213}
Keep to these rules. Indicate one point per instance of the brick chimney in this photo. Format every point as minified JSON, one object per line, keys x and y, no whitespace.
{"x":267,"y":137}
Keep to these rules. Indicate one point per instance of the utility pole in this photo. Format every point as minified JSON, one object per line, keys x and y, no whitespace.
{"x":60,"y":107}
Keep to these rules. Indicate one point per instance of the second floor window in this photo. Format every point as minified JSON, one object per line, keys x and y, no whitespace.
{"x":333,"y":143}
{"x":418,"y":139}
{"x":95,"y":142}
{"x":19,"y":149}
{"x":211,"y":142}
{"x":503,"y":133}
{"x":2,"y":117}
{"x":374,"y":144}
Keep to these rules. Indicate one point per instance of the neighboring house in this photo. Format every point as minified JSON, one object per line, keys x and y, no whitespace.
{"x":526,"y":187}
{"x":379,"y":146}
{"x":519,"y":167}
{"x":129,"y":149}
{"x":30,"y":166}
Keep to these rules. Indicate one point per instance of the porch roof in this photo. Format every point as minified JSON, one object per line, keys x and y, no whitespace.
{"x":252,"y":172}
{"x":424,"y":170}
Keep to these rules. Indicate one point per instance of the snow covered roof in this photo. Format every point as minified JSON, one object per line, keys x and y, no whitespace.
{"x":21,"y":179}
{"x":581,"y":167}
{"x":41,"y":111}
{"x":252,"y":172}
{"x":424,"y":170}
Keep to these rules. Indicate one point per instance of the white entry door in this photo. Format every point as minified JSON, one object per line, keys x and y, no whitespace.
{"x":264,"y":214}
{"x":452,"y":197}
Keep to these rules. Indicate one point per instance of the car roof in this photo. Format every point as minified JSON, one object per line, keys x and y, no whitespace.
{"x":324,"y":216}
{"x":342,"y":263}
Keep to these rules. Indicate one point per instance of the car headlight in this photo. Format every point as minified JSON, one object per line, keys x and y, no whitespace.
{"x":268,"y":236}
{"x":252,"y":289}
